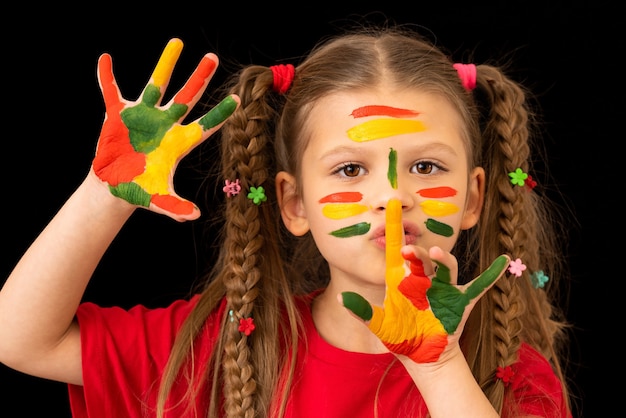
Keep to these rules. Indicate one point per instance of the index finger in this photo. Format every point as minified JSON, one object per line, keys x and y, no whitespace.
{"x":394,"y":240}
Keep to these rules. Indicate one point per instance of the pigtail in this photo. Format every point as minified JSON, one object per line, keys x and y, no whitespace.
{"x":513,"y":224}
{"x":257,"y":291}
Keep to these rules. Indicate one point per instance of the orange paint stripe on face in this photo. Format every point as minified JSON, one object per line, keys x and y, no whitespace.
{"x":372,"y":110}
{"x":437,"y":192}
{"x":383,"y":128}
{"x":342,"y":197}
{"x":195,"y":82}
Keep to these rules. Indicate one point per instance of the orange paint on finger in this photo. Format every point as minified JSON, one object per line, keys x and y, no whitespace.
{"x":196,"y":82}
{"x":173,"y":204}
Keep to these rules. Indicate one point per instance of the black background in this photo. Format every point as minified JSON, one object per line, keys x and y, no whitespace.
{"x":569,"y":53}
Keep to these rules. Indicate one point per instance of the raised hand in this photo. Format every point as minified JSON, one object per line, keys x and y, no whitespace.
{"x":142,"y":142}
{"x":420,"y":317}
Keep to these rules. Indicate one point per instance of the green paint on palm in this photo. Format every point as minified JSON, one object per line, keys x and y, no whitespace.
{"x":448,"y":302}
{"x":132,"y":193}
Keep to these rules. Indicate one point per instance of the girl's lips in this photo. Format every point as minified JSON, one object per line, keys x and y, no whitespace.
{"x":411,"y":233}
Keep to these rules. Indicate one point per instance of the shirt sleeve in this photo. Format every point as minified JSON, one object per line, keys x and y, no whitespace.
{"x":536,"y":388}
{"x":123,"y":355}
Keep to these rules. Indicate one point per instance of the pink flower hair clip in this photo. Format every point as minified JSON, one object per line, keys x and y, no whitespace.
{"x":516,"y":267}
{"x":231,"y":188}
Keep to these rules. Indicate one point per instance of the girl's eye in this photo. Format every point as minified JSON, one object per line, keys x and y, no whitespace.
{"x":348,"y":170}
{"x":426,"y":167}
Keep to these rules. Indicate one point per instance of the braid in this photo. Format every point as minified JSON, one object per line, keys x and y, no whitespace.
{"x":244,"y":157}
{"x":505,"y":149}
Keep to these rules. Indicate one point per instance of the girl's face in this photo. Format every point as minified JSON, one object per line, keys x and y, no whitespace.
{"x":365,"y":149}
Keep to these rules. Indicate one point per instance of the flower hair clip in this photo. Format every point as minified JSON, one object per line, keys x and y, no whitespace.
{"x":505,"y":374}
{"x":516,"y":267}
{"x":522,"y":179}
{"x":539,"y":279}
{"x":283,"y":77}
{"x":231,"y":188}
{"x":246,"y":325}
{"x":257,"y":195}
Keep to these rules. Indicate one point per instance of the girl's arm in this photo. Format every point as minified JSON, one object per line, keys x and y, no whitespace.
{"x":140,"y":146}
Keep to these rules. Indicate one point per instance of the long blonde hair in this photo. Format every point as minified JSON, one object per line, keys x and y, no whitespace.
{"x":250,"y":376}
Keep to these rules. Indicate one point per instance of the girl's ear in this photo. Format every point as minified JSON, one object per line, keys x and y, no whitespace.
{"x":291,"y":207}
{"x":475,"y":198}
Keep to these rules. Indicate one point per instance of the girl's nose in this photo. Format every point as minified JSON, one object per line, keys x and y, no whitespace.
{"x":381,"y":198}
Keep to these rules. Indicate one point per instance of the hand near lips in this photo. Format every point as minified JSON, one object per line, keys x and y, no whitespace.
{"x":420,"y":317}
{"x":142,"y":142}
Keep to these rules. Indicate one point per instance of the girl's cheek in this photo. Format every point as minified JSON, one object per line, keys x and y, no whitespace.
{"x":439,"y":213}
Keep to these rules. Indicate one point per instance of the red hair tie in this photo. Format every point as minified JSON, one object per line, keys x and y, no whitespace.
{"x":283,"y":76}
{"x":467,"y":74}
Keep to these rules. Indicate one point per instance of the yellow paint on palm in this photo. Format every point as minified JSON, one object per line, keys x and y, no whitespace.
{"x":343,"y":210}
{"x":438,"y":208}
{"x":383,"y":128}
{"x":165,"y":66}
{"x":175,"y":144}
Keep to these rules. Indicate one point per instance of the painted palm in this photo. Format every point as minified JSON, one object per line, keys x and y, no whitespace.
{"x":419,"y":314}
{"x":142,"y":142}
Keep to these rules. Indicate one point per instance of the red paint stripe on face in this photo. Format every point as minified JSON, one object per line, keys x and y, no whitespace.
{"x":437,"y":192}
{"x":395,"y":112}
{"x":343,"y":197}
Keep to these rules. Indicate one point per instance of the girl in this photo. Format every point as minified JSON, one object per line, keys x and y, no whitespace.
{"x":384,"y":251}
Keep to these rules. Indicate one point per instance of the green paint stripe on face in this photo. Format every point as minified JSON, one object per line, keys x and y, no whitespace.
{"x":392,"y":172}
{"x":439,"y":228}
{"x":352,"y":230}
{"x":383,"y":128}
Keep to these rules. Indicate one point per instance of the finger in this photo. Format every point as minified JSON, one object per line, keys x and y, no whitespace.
{"x":197,"y":83}
{"x":153,"y":93}
{"x":394,"y":240}
{"x":222,"y":111}
{"x":110,"y":91}
{"x":487,"y":278}
{"x":356,"y":304}
{"x":446,"y":263}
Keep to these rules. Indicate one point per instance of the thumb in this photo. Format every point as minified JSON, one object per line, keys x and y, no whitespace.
{"x":356,"y":304}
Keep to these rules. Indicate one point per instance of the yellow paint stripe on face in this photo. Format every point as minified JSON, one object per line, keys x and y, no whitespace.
{"x":163,"y":70}
{"x":383,"y":128}
{"x":438,"y":208}
{"x":343,"y":210}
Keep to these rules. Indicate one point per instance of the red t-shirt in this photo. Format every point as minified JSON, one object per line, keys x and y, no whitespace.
{"x":124,"y":353}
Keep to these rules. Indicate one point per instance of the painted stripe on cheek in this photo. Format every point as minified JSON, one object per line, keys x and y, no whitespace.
{"x":443,"y":191}
{"x":352,"y":230}
{"x":438,"y":208}
{"x":343,"y":210}
{"x":439,"y":228}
